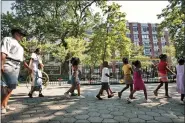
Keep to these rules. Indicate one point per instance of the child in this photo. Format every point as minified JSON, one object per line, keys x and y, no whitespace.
{"x":75,"y":81}
{"x":180,"y":79}
{"x":36,"y":75}
{"x":162,"y":73}
{"x":127,"y":69}
{"x":138,"y":81}
{"x":105,"y":81}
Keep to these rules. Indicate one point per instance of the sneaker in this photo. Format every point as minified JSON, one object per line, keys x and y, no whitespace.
{"x":129,"y":100}
{"x":97,"y":96}
{"x":119,"y":95}
{"x":30,"y":95}
{"x":3,"y":111}
{"x":110,"y":96}
{"x":40,"y":95}
{"x":147,"y":101}
{"x":74,"y":94}
{"x":66,"y":95}
{"x":155,"y":93}
{"x":10,"y":108}
{"x":182,"y":102}
{"x":81,"y":97}
{"x":167,"y":96}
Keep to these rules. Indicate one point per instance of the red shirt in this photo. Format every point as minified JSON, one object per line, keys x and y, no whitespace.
{"x":162,"y":67}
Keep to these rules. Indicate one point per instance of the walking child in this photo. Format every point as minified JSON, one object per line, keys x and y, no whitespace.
{"x":36,"y":75}
{"x":180,"y":78}
{"x":138,"y":81}
{"x":105,"y":81}
{"x":75,"y":81}
{"x":162,"y":73}
{"x":127,"y":69}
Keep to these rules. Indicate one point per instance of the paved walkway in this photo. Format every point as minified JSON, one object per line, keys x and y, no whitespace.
{"x":55,"y":108}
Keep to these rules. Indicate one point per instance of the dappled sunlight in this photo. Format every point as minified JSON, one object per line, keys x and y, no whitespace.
{"x":58,"y":108}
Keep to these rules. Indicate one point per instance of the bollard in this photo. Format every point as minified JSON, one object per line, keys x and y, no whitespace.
{"x":60,"y":81}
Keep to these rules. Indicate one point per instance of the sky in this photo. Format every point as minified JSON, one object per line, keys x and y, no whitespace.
{"x":136,"y":11}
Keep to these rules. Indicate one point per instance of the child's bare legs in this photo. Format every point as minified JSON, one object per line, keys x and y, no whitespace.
{"x":71,"y":89}
{"x":166,"y":90}
{"x":131,"y":94}
{"x":182,"y":97}
{"x":78,"y":89}
{"x":145,"y":93}
{"x":131,"y":89}
{"x":158,"y":87}
{"x":100,"y":92}
{"x":120,"y":93}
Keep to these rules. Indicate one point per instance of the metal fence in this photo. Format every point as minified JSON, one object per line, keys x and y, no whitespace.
{"x":92,"y":76}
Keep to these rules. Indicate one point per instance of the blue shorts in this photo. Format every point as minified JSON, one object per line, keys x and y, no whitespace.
{"x":73,"y":82}
{"x":10,"y":75}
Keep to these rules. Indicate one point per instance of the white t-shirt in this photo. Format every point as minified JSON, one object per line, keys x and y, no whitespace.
{"x":12,"y":49}
{"x":36,"y":60}
{"x":104,"y":78}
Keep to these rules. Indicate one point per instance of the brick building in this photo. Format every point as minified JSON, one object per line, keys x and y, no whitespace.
{"x":145,"y":34}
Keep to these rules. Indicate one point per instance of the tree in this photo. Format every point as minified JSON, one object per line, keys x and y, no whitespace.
{"x":174,"y":17}
{"x":107,"y":40}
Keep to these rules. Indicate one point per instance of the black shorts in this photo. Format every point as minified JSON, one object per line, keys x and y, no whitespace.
{"x":105,"y":86}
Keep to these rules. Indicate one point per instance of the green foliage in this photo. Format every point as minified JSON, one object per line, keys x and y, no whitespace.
{"x":174,"y":17}
{"x":109,"y":39}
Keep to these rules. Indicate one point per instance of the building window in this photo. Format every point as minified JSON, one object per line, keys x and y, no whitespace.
{"x":163,"y":43}
{"x":145,"y":37}
{"x":128,"y":35}
{"x":154,"y":29}
{"x":145,"y":29}
{"x":146,"y":44}
{"x":136,"y":36}
{"x":135,"y":28}
{"x":155,"y":44}
{"x":154,"y":37}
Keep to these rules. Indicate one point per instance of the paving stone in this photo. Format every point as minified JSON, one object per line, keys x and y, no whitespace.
{"x":153,"y":121}
{"x":94,"y":114}
{"x":109,"y":121}
{"x":178,"y":120}
{"x":145,"y":117}
{"x":95,"y":119}
{"x":68,"y":120}
{"x":117,"y":113}
{"x":106,"y":116}
{"x":169,"y":115}
{"x":15,"y":121}
{"x":30,"y":112}
{"x":82,"y":121}
{"x":35,"y":119}
{"x":81,"y":117}
{"x":57,"y":118}
{"x":163,"y":119}
{"x":130,"y":115}
{"x":104,"y":111}
{"x":81,"y":112}
{"x":153,"y":114}
{"x":54,"y":122}
{"x":121,"y":118}
{"x":136,"y":120}
{"x":138,"y":112}
{"x":60,"y":113}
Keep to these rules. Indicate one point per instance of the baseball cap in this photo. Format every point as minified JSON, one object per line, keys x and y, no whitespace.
{"x":18,"y":30}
